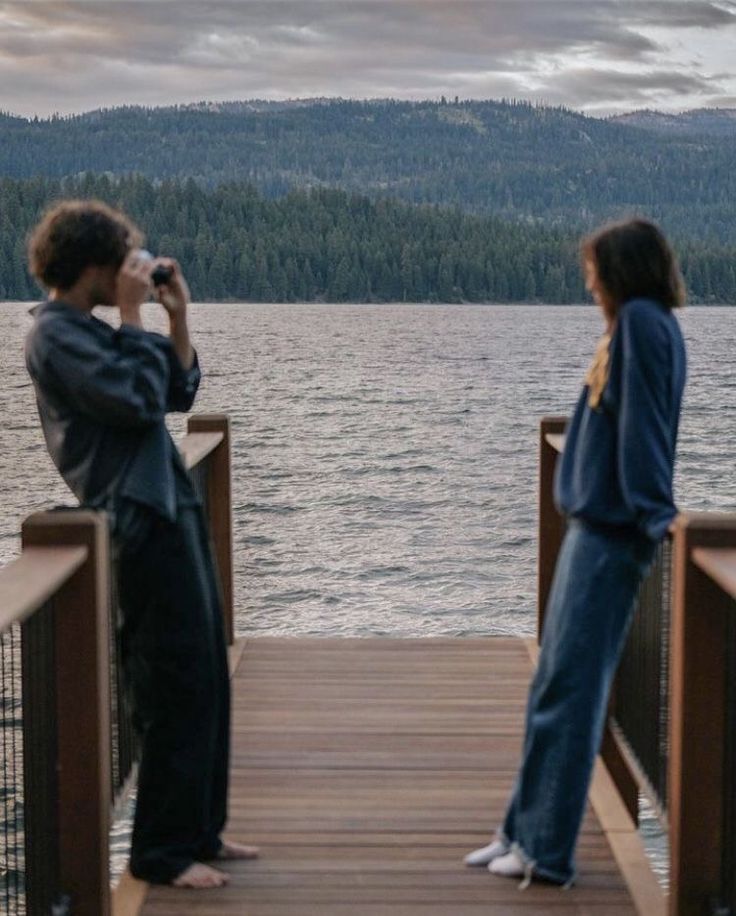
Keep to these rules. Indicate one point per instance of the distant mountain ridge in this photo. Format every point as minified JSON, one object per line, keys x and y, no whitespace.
{"x":526,"y":163}
{"x":716,"y":122}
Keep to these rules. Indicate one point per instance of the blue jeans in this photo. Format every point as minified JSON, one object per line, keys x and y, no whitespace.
{"x":588,"y":615}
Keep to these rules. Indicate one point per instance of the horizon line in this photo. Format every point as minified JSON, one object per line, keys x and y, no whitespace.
{"x":449,"y":99}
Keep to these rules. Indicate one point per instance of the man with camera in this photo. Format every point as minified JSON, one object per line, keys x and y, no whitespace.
{"x":102,"y":395}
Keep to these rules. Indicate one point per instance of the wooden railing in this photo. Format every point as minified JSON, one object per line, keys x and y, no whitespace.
{"x":46,"y":590}
{"x":702,"y":772}
{"x":206,"y":450}
{"x":699,"y":639}
{"x":58,"y":593}
{"x":551,"y":528}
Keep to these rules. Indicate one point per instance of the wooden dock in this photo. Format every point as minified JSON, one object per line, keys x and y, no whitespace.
{"x":366,"y":768}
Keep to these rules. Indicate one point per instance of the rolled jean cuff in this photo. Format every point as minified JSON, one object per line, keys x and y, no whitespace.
{"x":532,"y":869}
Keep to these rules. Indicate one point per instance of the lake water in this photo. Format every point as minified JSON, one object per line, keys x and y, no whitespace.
{"x":385,"y":457}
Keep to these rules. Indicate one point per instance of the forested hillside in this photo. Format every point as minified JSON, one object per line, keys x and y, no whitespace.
{"x":333,"y":245}
{"x":510,"y":160}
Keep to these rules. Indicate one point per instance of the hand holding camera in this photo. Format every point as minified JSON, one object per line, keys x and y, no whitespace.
{"x":170,"y":287}
{"x":172,"y":292}
{"x":141,"y":272}
{"x":163,"y":274}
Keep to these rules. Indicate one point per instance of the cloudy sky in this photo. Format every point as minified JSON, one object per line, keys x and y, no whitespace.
{"x":600,"y":56}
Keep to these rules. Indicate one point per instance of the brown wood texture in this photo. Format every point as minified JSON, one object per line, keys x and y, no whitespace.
{"x":697,"y":702}
{"x":81,"y":636}
{"x":551,"y":525}
{"x":621,"y":772}
{"x":366,"y":769}
{"x":220,"y":507}
{"x":28,"y":582}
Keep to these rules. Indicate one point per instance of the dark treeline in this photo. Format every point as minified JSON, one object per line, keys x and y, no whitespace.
{"x":332,"y":245}
{"x":488,"y":157}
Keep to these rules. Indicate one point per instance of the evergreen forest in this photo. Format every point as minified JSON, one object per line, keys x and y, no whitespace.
{"x":332,"y":245}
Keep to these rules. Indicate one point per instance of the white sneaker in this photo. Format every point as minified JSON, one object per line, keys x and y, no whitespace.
{"x":486,"y":854}
{"x":509,"y":865}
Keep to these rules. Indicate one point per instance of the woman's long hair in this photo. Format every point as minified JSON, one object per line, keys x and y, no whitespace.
{"x":633,"y":260}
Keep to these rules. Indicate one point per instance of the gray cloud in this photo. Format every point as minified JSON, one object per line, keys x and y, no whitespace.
{"x":687,"y":14}
{"x":592,"y":87}
{"x":70,"y":56}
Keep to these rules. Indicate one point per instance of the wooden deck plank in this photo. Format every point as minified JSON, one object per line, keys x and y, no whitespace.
{"x":366,"y":769}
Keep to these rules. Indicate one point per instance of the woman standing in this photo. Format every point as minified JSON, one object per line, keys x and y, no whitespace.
{"x":614,"y":486}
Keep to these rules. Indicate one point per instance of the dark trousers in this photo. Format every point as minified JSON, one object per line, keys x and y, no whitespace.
{"x":175,"y":666}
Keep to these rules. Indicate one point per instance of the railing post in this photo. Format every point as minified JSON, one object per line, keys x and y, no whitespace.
{"x":82,"y":692}
{"x":551,"y":525}
{"x":697,"y":725}
{"x":220,"y":508}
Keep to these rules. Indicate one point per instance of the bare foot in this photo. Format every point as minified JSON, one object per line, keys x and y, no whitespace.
{"x":230,"y":851}
{"x":200,"y":876}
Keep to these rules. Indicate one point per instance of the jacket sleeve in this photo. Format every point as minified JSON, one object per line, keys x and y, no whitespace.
{"x":183,"y":383}
{"x":123,"y":381}
{"x":645,"y":440}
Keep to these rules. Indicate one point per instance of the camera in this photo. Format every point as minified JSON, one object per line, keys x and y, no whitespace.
{"x":160,"y":275}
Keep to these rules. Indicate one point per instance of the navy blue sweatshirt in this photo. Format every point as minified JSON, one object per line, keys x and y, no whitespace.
{"x":617,"y":466}
{"x":102,"y":397}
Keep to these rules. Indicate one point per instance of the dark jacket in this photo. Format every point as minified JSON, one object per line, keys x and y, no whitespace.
{"x":617,"y":465}
{"x":102,"y":397}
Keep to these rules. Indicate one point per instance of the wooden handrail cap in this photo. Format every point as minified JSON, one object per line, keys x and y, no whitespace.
{"x":704,"y":521}
{"x":556,"y":441}
{"x":719,"y":564}
{"x":195,"y":447}
{"x":29,"y":581}
{"x":208,"y":422}
{"x":553,"y":421}
{"x":65,"y":517}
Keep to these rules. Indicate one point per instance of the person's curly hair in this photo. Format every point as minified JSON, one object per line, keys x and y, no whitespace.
{"x":75,"y":234}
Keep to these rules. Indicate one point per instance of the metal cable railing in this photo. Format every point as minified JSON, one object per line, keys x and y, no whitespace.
{"x":200,"y":478}
{"x":44,"y":893}
{"x":123,"y":741}
{"x":640,"y":707}
{"x":12,"y":859}
{"x":124,"y":745}
{"x":728,"y":862}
